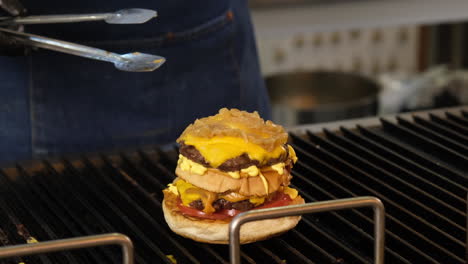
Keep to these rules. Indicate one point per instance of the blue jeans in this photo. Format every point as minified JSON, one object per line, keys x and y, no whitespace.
{"x":53,"y":103}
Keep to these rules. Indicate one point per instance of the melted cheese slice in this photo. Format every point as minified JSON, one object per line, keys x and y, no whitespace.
{"x":236,"y":197}
{"x":279,"y":167}
{"x":292,"y":154}
{"x":291,"y":192}
{"x":190,"y":193}
{"x":219,"y":149}
{"x":251,"y":171}
{"x":186,"y":164}
{"x":32,"y":240}
{"x":264,"y":181}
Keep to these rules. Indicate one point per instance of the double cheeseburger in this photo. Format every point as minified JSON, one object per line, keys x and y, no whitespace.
{"x":230,"y":163}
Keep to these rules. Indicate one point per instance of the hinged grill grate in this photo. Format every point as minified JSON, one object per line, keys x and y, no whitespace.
{"x":416,"y":164}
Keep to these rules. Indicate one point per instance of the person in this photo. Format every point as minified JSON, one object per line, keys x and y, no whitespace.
{"x":52,"y":103}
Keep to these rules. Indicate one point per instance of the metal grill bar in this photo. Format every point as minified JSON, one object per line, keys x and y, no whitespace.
{"x":305,"y":245}
{"x":407,"y":247}
{"x":136,"y":198}
{"x":437,"y":137}
{"x":318,"y":222}
{"x":274,"y":258}
{"x":464,"y":113}
{"x":9,"y":224}
{"x":72,"y":243}
{"x":443,"y":174}
{"x":449,"y":124}
{"x":447,"y":218}
{"x":59,"y":218}
{"x":32,"y":219}
{"x":421,"y":176}
{"x":459,"y":119}
{"x":338,"y":248}
{"x":427,"y":144}
{"x":86,"y":215}
{"x":288,"y":251}
{"x":324,"y":239}
{"x":92,"y":204}
{"x":214,"y":253}
{"x":379,"y":186}
{"x":246,"y":258}
{"x":115,"y":212}
{"x":460,"y":139}
{"x":254,"y":215}
{"x":398,"y":176}
{"x":378,"y":150}
{"x":5,"y":236}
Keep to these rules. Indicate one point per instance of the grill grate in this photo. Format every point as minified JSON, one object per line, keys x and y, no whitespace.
{"x":417,"y":165}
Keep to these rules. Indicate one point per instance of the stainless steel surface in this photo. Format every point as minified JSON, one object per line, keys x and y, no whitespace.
{"x":124,"y":16}
{"x":134,"y":62}
{"x":292,"y":210}
{"x":72,"y":243}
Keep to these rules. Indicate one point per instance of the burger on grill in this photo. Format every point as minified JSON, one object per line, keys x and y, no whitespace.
{"x":230,"y":163}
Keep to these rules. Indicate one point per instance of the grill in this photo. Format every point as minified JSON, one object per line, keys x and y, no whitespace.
{"x":417,"y":164}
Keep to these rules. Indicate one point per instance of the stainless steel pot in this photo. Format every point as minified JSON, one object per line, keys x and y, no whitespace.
{"x":311,"y":97}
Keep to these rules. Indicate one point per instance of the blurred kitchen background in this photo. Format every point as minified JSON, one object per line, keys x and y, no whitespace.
{"x":340,"y":59}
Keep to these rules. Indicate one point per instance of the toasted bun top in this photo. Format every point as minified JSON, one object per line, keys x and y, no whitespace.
{"x":239,"y":124}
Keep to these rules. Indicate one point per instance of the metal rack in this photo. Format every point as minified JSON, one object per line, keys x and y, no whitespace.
{"x":72,"y":243}
{"x":325,"y":206}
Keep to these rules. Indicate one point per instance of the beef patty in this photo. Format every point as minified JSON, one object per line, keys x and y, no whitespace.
{"x":235,"y":164}
{"x":221,"y":204}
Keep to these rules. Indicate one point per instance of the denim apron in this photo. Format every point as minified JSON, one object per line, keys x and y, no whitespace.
{"x":52,"y":103}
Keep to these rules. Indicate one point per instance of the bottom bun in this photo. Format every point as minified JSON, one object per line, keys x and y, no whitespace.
{"x":216,"y":231}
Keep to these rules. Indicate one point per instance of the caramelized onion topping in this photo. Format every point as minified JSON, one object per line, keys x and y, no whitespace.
{"x":235,"y":123}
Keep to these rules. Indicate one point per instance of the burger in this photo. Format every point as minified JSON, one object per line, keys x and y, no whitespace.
{"x":230,"y":163}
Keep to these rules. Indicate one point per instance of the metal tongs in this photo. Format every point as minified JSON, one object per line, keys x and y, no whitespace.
{"x":133,"y":62}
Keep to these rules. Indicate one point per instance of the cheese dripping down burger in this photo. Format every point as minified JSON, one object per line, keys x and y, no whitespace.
{"x":230,"y":163}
